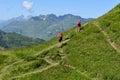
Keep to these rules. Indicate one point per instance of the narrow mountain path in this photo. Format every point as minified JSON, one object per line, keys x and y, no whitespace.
{"x":53,"y":64}
{"x":37,"y":71}
{"x":110,"y":41}
{"x":48,"y":60}
{"x":50,"y":47}
{"x":81,"y":73}
{"x":2,"y":72}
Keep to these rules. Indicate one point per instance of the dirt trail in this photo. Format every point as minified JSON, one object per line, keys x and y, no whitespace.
{"x":78,"y":71}
{"x":49,"y":60}
{"x":5,"y":68}
{"x":37,"y":71}
{"x":110,"y":41}
{"x":50,"y":47}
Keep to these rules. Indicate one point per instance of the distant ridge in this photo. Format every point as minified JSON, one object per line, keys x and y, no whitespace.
{"x":10,"y":40}
{"x":43,"y":26}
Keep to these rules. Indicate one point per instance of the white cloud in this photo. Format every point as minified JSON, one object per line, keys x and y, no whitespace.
{"x":27,"y":5}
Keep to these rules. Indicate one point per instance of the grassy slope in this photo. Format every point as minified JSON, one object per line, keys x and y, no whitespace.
{"x":111,"y":23}
{"x":88,"y":52}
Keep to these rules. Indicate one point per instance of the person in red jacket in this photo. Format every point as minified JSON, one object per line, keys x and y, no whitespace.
{"x":78,"y":26}
{"x":59,"y":38}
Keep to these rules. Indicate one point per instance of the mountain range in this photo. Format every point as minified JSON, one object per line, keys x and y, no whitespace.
{"x":42,"y":26}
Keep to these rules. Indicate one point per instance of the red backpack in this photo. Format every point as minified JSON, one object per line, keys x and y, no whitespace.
{"x":78,"y":24}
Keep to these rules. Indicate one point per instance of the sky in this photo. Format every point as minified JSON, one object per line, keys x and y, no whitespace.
{"x":83,"y":8}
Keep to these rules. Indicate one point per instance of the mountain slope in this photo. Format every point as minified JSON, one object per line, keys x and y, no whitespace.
{"x":9,"y":40}
{"x":111,"y":23}
{"x":43,"y":26}
{"x":87,"y":55}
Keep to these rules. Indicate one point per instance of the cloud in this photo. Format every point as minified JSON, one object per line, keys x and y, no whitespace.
{"x":27,"y":5}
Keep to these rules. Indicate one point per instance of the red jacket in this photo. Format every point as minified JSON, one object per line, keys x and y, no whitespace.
{"x":79,"y":24}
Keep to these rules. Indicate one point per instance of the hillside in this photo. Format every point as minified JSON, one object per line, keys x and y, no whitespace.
{"x":43,"y":26}
{"x":91,"y":54}
{"x":10,"y":40}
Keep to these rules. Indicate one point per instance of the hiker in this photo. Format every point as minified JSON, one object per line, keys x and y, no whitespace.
{"x":60,"y":39}
{"x":78,"y":26}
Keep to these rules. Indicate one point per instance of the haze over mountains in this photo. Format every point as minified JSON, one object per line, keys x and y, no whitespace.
{"x":3,"y":23}
{"x":42,"y":26}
